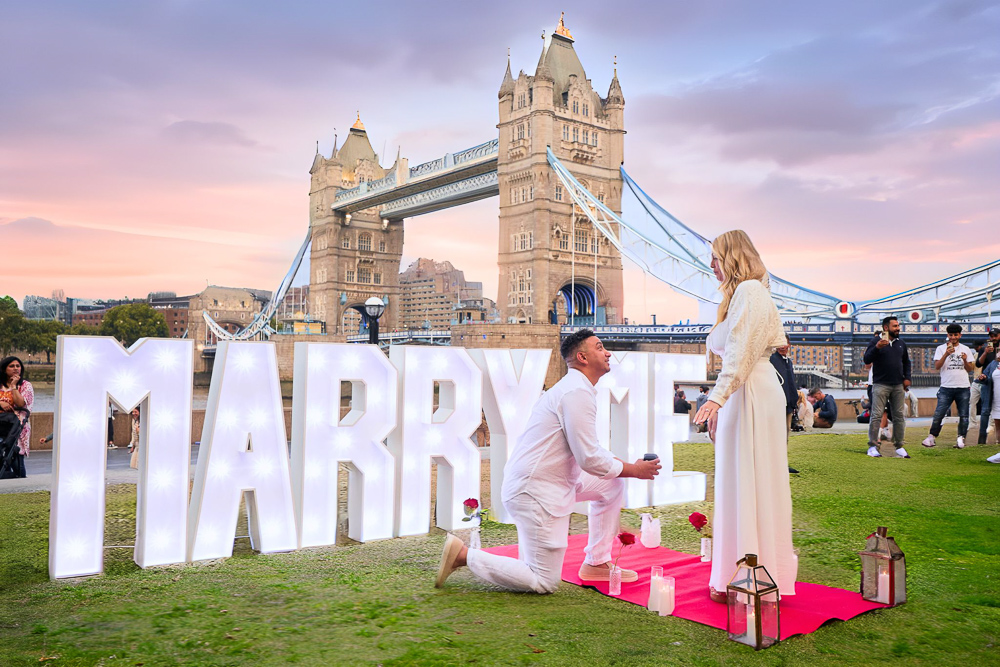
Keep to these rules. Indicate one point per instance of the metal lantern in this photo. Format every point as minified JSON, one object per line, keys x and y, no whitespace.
{"x":753,"y":615}
{"x":883,"y":570}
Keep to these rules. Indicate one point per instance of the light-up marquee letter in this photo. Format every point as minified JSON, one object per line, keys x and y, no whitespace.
{"x":512,"y":383}
{"x":155,"y":373}
{"x":243,"y":453}
{"x":321,"y":439}
{"x":443,"y":435}
{"x":674,"y":486}
{"x":636,"y":406}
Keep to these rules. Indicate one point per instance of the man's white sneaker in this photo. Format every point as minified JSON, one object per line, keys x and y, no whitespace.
{"x":960,"y":442}
{"x":901,"y":453}
{"x":874,"y":453}
{"x":995,"y":458}
{"x":929,"y":441}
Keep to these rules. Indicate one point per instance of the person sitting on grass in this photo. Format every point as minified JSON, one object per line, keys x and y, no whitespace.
{"x":558,"y":463}
{"x":824,"y":408}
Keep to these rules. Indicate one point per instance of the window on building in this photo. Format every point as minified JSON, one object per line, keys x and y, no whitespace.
{"x":581,"y":241}
{"x":531,"y":192}
{"x":364,"y":241}
{"x":377,"y":278}
{"x":593,"y":244}
{"x":349,"y":276}
{"x":531,"y":244}
{"x":559,"y":193}
{"x":346,"y":243}
{"x":524,"y":194}
{"x":364,"y":275}
{"x":564,"y":242}
{"x":381,"y":245}
{"x":586,"y":109}
{"x":243,"y":316}
{"x":586,"y":136}
{"x":600,"y":197}
{"x":576,"y":106}
{"x":576,"y":134}
{"x":593,"y":138}
{"x":520,"y":131}
{"x":565,"y":132}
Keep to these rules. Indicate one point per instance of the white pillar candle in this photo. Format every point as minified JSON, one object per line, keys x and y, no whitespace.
{"x":654,"y":593}
{"x":883,"y":585}
{"x":751,"y":625}
{"x":667,"y":596}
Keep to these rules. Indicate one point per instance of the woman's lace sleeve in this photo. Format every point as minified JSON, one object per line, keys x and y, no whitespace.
{"x":749,"y":335}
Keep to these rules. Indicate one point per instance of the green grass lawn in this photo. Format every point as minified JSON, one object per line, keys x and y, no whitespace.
{"x":375,"y":603}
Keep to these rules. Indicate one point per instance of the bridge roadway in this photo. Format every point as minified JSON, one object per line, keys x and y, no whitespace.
{"x":804,"y":334}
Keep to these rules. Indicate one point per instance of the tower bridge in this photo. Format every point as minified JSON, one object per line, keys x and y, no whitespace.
{"x":557,"y":166}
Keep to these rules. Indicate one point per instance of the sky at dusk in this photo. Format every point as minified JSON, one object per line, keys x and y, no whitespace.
{"x":161,"y":146}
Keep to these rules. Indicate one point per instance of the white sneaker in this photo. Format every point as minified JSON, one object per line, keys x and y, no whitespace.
{"x":995,"y":458}
{"x":901,"y":453}
{"x":929,"y":441}
{"x":874,"y":453}
{"x":960,"y":442}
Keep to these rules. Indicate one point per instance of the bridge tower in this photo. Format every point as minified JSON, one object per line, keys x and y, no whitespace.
{"x":354,"y":256}
{"x":548,"y":249}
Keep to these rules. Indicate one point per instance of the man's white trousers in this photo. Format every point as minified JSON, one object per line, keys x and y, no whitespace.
{"x":542,"y":538}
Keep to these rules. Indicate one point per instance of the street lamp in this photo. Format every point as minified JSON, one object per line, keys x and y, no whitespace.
{"x":374,"y":307}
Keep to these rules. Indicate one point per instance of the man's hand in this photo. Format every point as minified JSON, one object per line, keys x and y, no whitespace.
{"x":882,"y":342}
{"x":647,"y":469}
{"x":906,"y":384}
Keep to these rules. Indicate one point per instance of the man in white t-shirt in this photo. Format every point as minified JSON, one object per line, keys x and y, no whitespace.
{"x":955,"y":361}
{"x":557,"y":464}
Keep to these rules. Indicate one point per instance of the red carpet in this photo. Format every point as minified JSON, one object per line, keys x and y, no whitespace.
{"x":810,"y":607}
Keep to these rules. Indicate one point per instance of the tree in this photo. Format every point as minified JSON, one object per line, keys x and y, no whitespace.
{"x":11,"y":325}
{"x":133,"y":321}
{"x":41,"y":336}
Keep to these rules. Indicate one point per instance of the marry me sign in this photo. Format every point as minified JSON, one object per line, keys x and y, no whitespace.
{"x":389,"y":441}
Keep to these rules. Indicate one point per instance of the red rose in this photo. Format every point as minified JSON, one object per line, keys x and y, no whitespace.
{"x":471,"y":503}
{"x":626,"y":538}
{"x":698,"y":520}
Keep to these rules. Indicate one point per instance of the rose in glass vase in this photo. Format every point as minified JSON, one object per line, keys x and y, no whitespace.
{"x":473,"y":512}
{"x":625,"y":539}
{"x":704,"y":528}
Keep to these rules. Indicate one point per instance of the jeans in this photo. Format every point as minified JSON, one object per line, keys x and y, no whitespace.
{"x":882,"y":395}
{"x":974,"y":392}
{"x":945,"y":397}
{"x":542,"y":538}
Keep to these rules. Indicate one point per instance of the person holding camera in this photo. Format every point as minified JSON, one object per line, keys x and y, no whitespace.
{"x":890,"y":361}
{"x":985,"y":354}
{"x":955,"y":361}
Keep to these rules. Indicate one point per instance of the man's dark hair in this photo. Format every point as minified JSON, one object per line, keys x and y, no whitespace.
{"x":815,"y":391}
{"x":954,"y":328}
{"x":572,"y":343}
{"x":994,"y":331}
{"x":703,"y":388}
{"x":886,"y":320}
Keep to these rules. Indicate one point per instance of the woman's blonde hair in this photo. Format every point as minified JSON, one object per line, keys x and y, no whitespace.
{"x":740,"y":261}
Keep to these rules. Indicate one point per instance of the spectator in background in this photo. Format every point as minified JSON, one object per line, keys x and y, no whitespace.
{"x":702,"y":397}
{"x":681,"y":406}
{"x":783,"y":365}
{"x":806,"y":413}
{"x":911,"y":404}
{"x":133,"y":443}
{"x":17,"y":396}
{"x":954,"y":361}
{"x":890,"y":361}
{"x":111,"y":426}
{"x":824,"y":408}
{"x":986,"y":353}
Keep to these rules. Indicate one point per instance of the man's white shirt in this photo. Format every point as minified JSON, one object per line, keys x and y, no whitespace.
{"x":953,"y":373}
{"x":559,"y":443}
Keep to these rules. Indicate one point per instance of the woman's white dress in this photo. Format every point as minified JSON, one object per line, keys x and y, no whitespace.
{"x":753,"y":499}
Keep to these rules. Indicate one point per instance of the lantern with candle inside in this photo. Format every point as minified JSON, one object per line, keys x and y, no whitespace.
{"x":883,"y":569}
{"x":753,"y":614}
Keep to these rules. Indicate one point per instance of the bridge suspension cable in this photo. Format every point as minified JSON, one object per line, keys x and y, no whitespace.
{"x":260,"y":327}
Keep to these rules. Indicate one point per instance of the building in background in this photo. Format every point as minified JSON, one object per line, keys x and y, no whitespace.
{"x":435,"y":295}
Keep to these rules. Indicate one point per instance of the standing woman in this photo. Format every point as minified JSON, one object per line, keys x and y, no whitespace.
{"x":16,"y":395}
{"x":133,"y":443}
{"x":745,"y":414}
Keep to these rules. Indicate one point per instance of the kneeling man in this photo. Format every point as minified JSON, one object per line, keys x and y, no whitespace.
{"x":558,"y":463}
